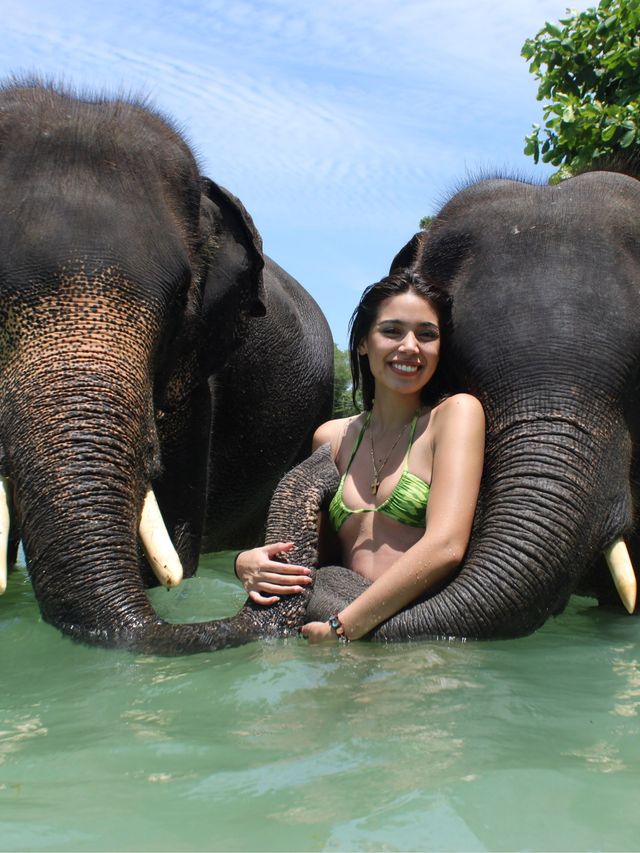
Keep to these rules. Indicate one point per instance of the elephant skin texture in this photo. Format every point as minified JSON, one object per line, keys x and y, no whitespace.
{"x":145,"y":341}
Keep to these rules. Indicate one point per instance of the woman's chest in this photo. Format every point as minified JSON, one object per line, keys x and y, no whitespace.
{"x":372,"y":481}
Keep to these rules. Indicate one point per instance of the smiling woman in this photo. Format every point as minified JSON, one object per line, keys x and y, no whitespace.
{"x":410,"y":466}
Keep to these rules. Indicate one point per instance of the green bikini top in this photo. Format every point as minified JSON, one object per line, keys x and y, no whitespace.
{"x":407,"y":503}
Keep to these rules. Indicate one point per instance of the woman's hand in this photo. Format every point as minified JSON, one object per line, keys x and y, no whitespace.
{"x":318,"y":632}
{"x":265,"y":579}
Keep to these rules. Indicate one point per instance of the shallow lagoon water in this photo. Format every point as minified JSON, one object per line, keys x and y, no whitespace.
{"x":531,"y":744}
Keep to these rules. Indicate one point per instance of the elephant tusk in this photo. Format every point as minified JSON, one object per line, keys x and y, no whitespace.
{"x":619,"y":562}
{"x":158,"y":547}
{"x":4,"y":532}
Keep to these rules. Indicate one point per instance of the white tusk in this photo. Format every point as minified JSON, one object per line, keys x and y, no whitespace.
{"x":619,"y":562}
{"x":4,"y":532}
{"x":157,"y":545}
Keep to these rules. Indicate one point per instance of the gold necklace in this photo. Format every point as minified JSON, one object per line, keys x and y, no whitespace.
{"x":375,"y":483}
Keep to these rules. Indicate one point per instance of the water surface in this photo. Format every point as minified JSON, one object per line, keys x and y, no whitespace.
{"x":531,"y":744}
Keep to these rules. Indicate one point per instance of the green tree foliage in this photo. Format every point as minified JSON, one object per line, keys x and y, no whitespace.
{"x":342,"y":402}
{"x":588,"y":66}
{"x":425,"y":222}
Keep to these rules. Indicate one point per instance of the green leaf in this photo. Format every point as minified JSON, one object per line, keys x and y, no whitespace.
{"x":633,"y":57}
{"x":531,"y":148}
{"x":553,"y":30}
{"x":628,"y":139}
{"x":527,"y":49}
{"x":586,"y":67}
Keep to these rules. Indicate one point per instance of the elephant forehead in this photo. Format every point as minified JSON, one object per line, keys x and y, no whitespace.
{"x":583,"y":207}
{"x":54,"y":235}
{"x":544,"y":281}
{"x":547,"y":248}
{"x":48,"y":129}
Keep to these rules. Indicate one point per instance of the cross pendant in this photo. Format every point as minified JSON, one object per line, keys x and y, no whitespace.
{"x":375,"y":485}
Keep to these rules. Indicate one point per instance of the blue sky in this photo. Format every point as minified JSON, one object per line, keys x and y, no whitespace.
{"x":338,"y":123}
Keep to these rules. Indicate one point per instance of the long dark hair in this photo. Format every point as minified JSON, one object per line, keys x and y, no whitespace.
{"x":365,"y":316}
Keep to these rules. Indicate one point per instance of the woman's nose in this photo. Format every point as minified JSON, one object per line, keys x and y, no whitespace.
{"x":409,"y":342}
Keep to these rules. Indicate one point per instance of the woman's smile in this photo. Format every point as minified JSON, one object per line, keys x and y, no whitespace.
{"x":403,"y":344}
{"x":410,"y":368}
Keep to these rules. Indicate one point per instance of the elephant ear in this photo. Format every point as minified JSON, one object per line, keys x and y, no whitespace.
{"x":437,"y":253}
{"x":408,"y":254}
{"x":443,"y":255}
{"x":233,"y":287}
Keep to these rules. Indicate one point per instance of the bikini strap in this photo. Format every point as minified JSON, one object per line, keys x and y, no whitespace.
{"x":358,"y":443}
{"x":412,"y":432}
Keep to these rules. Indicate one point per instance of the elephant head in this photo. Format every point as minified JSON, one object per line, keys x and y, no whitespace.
{"x":126,"y":281}
{"x":546,"y":332}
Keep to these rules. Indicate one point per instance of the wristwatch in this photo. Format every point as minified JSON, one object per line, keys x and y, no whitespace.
{"x":336,"y":625}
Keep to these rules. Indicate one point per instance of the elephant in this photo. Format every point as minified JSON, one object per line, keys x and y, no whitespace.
{"x":158,"y":372}
{"x":545,"y":331}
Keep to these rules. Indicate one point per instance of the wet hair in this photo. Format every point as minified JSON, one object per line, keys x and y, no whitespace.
{"x":365,"y":315}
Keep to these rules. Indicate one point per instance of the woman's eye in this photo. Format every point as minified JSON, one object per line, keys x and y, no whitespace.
{"x":390,"y":331}
{"x":430,"y":335}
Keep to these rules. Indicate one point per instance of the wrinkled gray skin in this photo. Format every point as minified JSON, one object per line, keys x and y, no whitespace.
{"x":546,"y":332}
{"x":144,"y":340}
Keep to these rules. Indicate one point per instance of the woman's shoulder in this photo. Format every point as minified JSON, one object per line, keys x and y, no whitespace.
{"x":460,"y":407}
{"x":332,"y":432}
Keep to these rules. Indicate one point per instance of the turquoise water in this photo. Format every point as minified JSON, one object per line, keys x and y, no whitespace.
{"x":531,"y":744}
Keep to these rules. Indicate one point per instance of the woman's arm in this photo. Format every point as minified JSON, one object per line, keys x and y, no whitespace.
{"x":458,"y":453}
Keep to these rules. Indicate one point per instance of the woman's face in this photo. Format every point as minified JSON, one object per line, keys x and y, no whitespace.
{"x":403,"y":344}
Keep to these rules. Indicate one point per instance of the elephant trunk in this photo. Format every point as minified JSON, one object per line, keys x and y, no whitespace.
{"x":81,"y":456}
{"x":301,"y":495}
{"x":536,"y":532}
{"x":80,"y":449}
{"x":77,"y":453}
